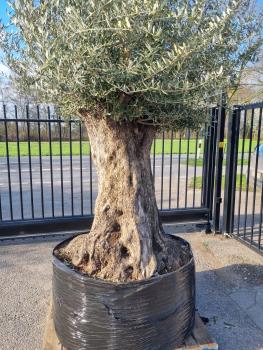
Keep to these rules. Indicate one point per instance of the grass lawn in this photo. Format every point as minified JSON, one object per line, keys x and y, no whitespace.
{"x":198,"y":183}
{"x":45,"y":150}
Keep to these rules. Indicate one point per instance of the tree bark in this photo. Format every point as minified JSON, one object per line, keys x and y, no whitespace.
{"x":126,"y":241}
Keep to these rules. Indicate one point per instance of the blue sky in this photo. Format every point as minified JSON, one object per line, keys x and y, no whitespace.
{"x":3,"y":8}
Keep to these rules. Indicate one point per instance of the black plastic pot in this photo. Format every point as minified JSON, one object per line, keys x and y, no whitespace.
{"x":91,"y":314}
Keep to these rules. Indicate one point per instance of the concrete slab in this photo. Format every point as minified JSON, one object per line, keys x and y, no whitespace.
{"x":256,"y":314}
{"x":251,"y":301}
{"x":245,"y":298}
{"x":259,"y":296}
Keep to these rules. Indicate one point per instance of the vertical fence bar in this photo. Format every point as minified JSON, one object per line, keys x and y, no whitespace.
{"x":154,"y":156}
{"x":219,"y":166}
{"x":195,"y":166}
{"x":1,"y":212}
{"x":213,"y":159}
{"x":255,"y":178}
{"x":8,"y":165}
{"x":40,"y":164}
{"x":171,"y":167}
{"x":51,"y":161}
{"x":61,"y":168}
{"x":231,"y":170}
{"x":210,"y":163}
{"x":241,"y":170}
{"x":206,"y":170}
{"x":162,"y":170}
{"x":179,"y":169}
{"x":204,"y":167}
{"x":1,"y":215}
{"x":90,"y":178}
{"x":19,"y":165}
{"x":261,"y":217}
{"x":80,"y":165}
{"x":248,"y":170}
{"x":71,"y":167}
{"x":187,"y":167}
{"x":30,"y":162}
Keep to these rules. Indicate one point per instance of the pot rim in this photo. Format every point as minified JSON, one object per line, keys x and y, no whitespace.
{"x":82,"y":276}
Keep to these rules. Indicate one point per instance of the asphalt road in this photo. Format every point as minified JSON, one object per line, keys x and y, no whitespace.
{"x":89,"y":185}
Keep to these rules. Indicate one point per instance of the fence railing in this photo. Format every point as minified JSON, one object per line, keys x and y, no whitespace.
{"x":48,"y":181}
{"x":47,"y":174}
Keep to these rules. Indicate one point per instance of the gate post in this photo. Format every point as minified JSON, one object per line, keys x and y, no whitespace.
{"x":209,"y":166}
{"x":219,"y":166}
{"x":231,"y":170}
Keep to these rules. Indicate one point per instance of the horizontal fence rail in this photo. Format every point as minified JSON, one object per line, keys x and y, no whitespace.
{"x":47,"y":174}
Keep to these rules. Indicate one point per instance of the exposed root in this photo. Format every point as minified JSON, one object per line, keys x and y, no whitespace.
{"x":111,"y":260}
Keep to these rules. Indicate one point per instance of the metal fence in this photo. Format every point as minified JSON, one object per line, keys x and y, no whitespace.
{"x":48,"y":181}
{"x":243,"y":197}
{"x":215,"y":175}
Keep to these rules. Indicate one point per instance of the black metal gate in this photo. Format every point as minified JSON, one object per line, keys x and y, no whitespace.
{"x":243,"y":195}
{"x":48,"y":181}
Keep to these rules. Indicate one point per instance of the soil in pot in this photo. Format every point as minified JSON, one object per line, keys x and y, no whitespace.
{"x":115,"y":253}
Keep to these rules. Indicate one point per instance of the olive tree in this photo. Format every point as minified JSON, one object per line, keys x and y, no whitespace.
{"x":127,"y":69}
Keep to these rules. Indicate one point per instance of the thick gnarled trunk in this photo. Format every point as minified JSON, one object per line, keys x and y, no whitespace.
{"x":126,"y":241}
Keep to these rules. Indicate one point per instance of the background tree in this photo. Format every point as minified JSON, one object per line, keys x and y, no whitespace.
{"x":127,"y":68}
{"x":250,"y":88}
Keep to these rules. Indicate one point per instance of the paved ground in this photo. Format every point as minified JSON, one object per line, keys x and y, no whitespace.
{"x":229,"y":290}
{"x":229,"y":275}
{"x":25,"y":285}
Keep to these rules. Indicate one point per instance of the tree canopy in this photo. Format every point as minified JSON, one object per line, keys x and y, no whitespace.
{"x":153,"y":61}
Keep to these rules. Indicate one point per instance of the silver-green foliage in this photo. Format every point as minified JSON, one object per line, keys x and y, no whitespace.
{"x":151,"y":60}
